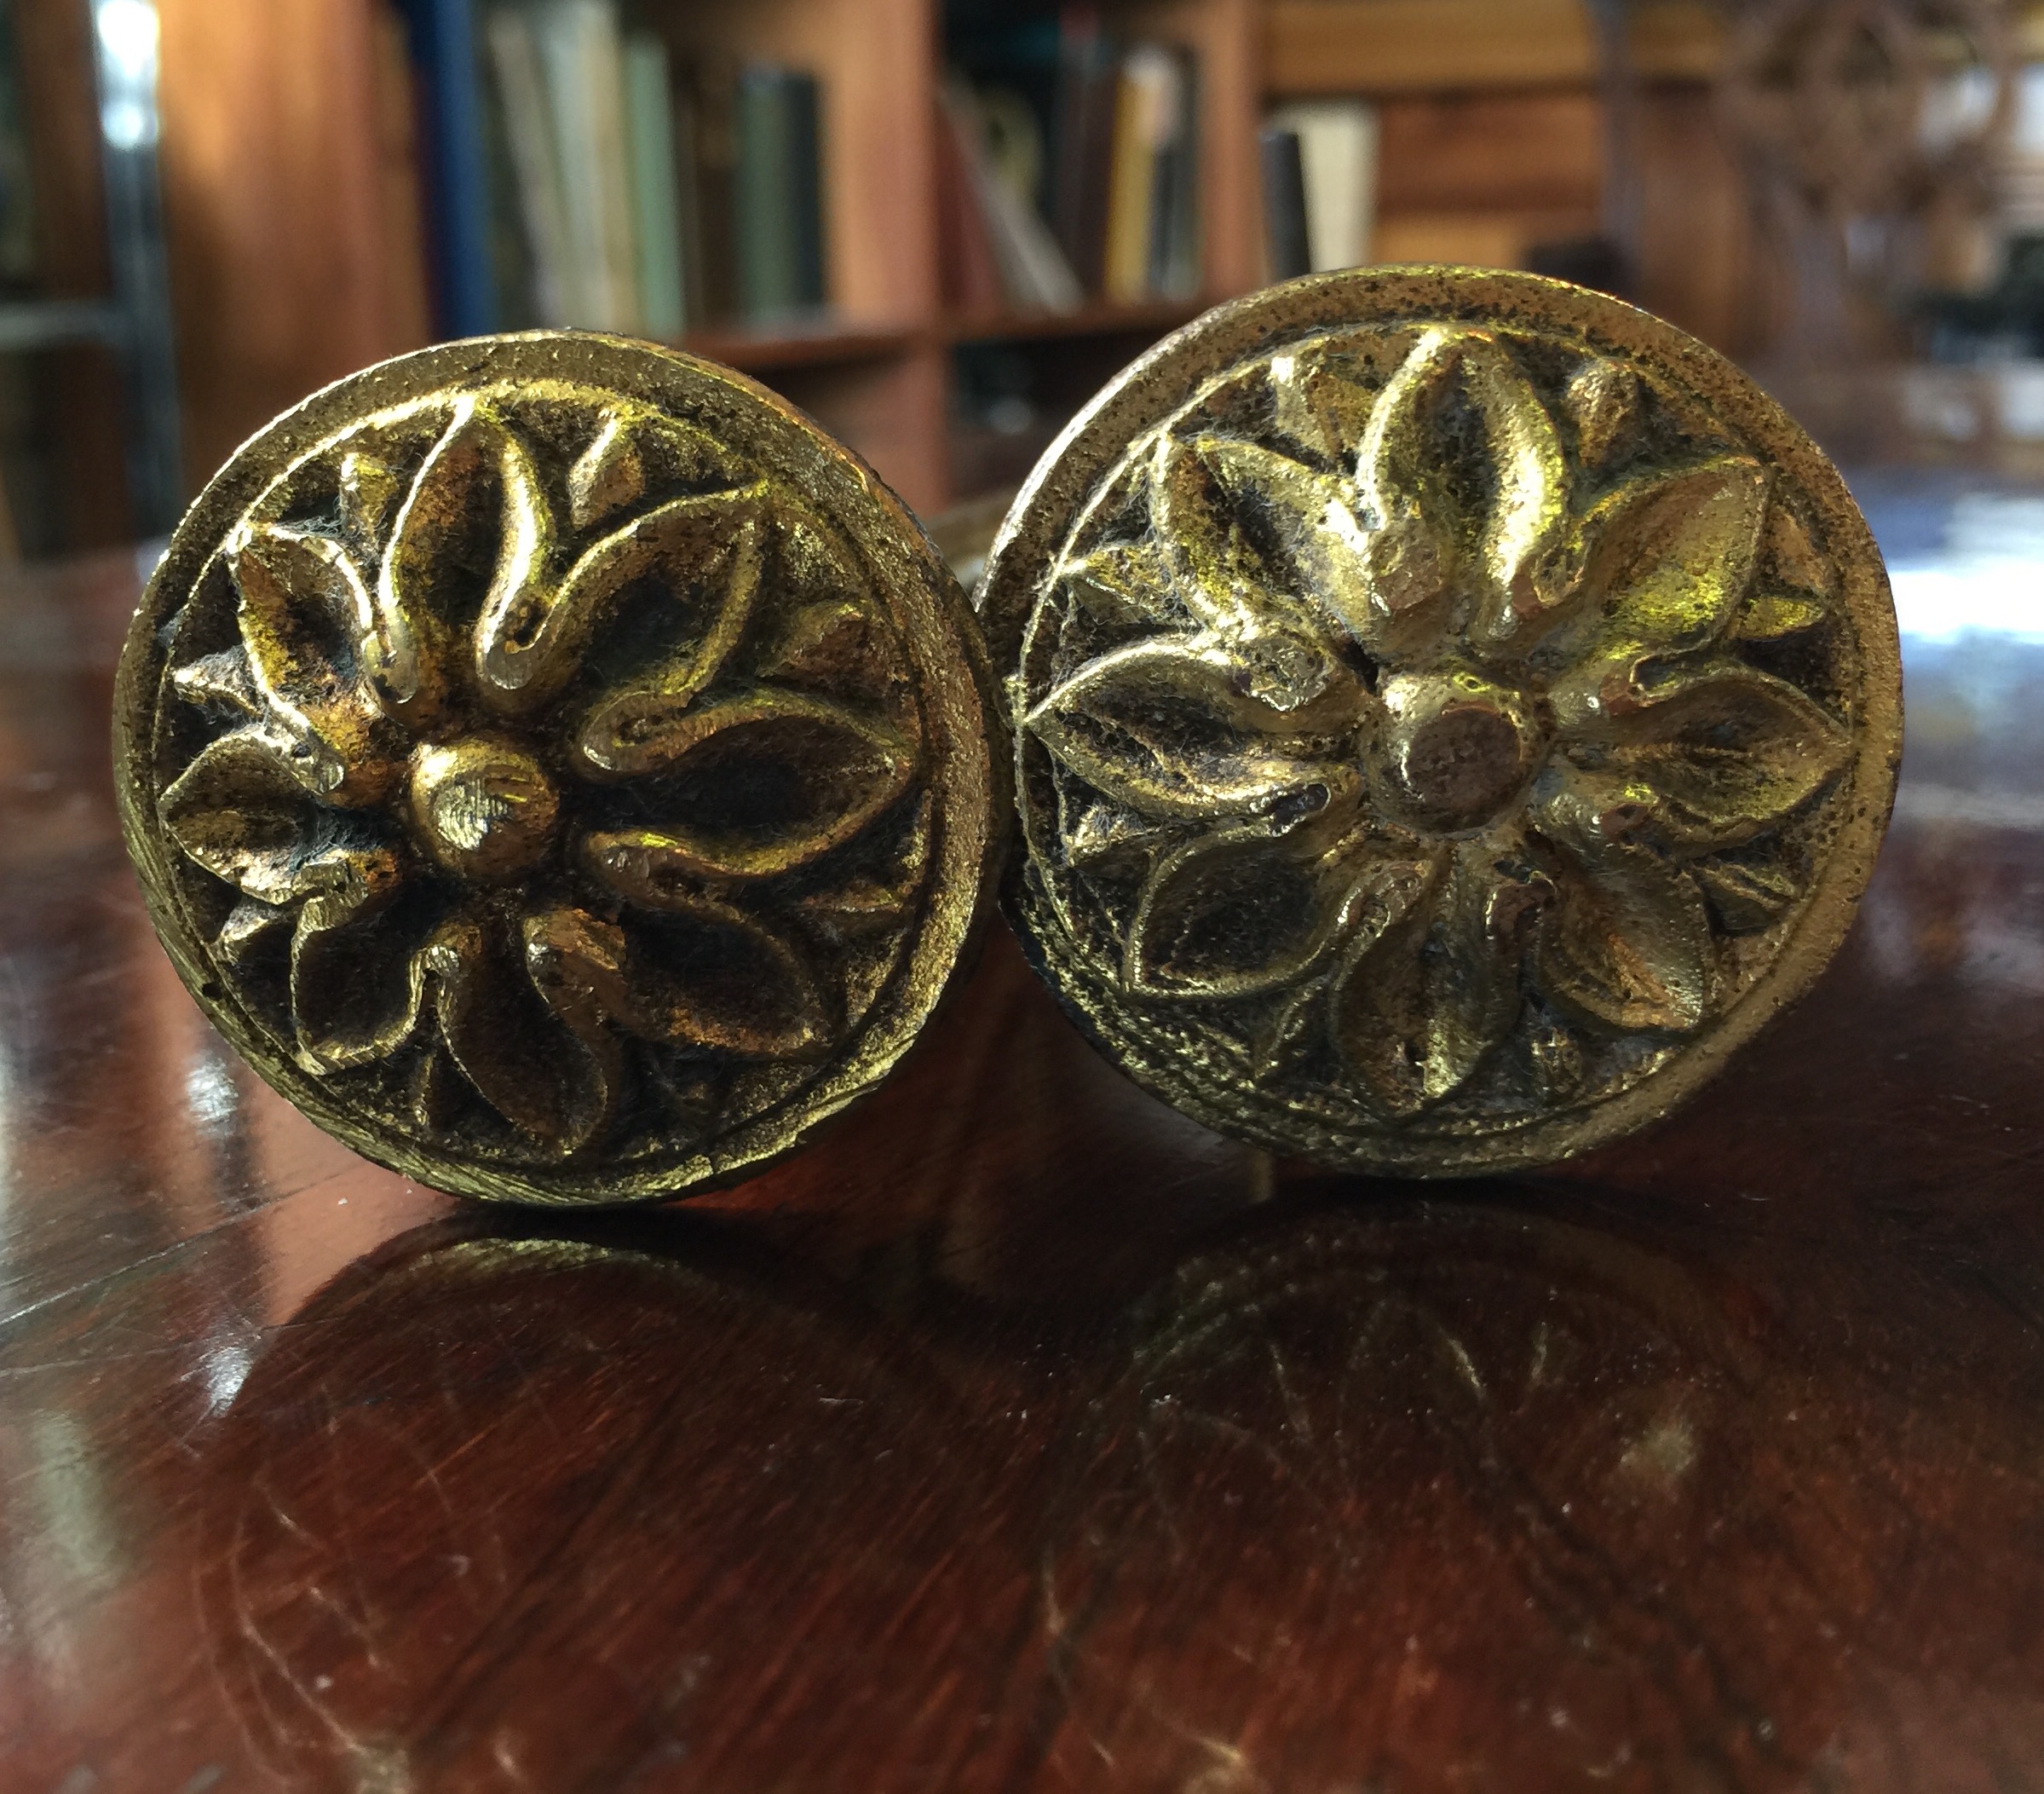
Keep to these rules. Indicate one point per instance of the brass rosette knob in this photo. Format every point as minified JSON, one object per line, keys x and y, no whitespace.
{"x":560,"y":770}
{"x":1452,"y":712}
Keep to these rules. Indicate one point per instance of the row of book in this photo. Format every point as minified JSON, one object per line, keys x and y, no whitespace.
{"x":577,"y":174}
{"x":1069,"y":167}
{"x":1319,"y":186}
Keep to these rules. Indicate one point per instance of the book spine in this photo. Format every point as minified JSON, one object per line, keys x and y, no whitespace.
{"x":968,"y":265}
{"x":444,"y":51}
{"x":1189,"y":267}
{"x":530,"y":138}
{"x":657,"y":203}
{"x":1284,"y":203}
{"x":1131,"y":181}
{"x":585,"y":90}
{"x":716,"y":112}
{"x":1089,"y":82}
{"x":689,"y":194}
{"x":804,"y":101}
{"x":602,"y":55}
{"x":759,"y":197}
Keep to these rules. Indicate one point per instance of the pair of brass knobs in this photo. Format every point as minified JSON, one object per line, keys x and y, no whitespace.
{"x":1420,"y":720}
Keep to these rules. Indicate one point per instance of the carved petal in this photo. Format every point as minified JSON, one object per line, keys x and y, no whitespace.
{"x":1165,"y":727}
{"x":305,"y":622}
{"x":529,"y":644}
{"x":611,"y":474}
{"x":758,"y":786}
{"x":224,"y":681}
{"x":1210,"y":571}
{"x":1123,"y":583}
{"x":551,"y":1084}
{"x":476,"y":502}
{"x":1418,"y":1006}
{"x":1725,"y":751}
{"x":357,"y":981}
{"x":1441,"y":490}
{"x":1320,"y":408}
{"x":705,"y":973}
{"x":633,"y":446}
{"x":1769,"y":616}
{"x":368,"y":490}
{"x":1222,"y":484}
{"x":238,"y":813}
{"x":1603,"y":402}
{"x":1629,"y":944}
{"x":638,"y":728}
{"x":1230,"y":914}
{"x":1669,"y":557}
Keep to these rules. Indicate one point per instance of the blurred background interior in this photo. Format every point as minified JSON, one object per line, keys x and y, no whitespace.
{"x":940,"y":224}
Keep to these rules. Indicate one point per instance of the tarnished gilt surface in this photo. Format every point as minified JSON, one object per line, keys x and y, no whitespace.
{"x":559,"y":768}
{"x":1452,"y":712}
{"x":1004,"y":1443}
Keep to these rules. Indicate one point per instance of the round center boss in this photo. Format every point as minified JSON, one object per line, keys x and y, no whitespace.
{"x":1452,"y":712}
{"x":559,"y":769}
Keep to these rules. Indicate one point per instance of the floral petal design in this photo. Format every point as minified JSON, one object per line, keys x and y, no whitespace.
{"x":1441,"y":490}
{"x":1230,"y":914}
{"x":1669,"y":557}
{"x":1726,"y":751}
{"x":238,"y":812}
{"x":303,"y":616}
{"x":224,"y":681}
{"x":705,"y":973}
{"x":1603,"y":402}
{"x":529,"y":643}
{"x":1124,"y":583}
{"x":1796,"y":586}
{"x":537,"y":1074}
{"x":476,"y":505}
{"x":1320,"y":407}
{"x":762,"y":783}
{"x":1211,"y":571}
{"x":1627,"y":946}
{"x":823,"y":643}
{"x":623,"y":735}
{"x":1746,"y":898}
{"x":1308,"y":515}
{"x":1770,"y":616}
{"x":357,"y":981}
{"x":1165,"y":727}
{"x":1418,"y":1006}
{"x":611,"y":474}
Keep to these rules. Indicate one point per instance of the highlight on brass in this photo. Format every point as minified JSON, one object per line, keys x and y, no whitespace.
{"x":1452,"y":712}
{"x":558,"y":768}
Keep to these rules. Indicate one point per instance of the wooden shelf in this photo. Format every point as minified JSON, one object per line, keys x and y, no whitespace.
{"x":1460,"y":46}
{"x":835,"y":343}
{"x":832,"y":345}
{"x":1088,"y":320}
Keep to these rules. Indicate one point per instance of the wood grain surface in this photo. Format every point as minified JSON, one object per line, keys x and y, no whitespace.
{"x":1024,"y":1436}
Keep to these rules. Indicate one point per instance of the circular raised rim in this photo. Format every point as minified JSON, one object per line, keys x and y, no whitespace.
{"x":1149,"y":391}
{"x":943,"y":645}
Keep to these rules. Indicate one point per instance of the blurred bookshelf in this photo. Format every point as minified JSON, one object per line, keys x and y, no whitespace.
{"x":89,"y":406}
{"x":342,"y":177}
{"x":1497,"y":143}
{"x":325,"y":211}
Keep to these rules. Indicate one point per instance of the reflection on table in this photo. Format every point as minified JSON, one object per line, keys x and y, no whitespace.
{"x":1024,"y":1435}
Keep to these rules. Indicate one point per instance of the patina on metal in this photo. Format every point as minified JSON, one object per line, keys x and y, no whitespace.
{"x":559,"y":768}
{"x":1451,"y":710}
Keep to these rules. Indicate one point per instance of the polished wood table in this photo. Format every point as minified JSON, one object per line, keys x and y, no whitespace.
{"x":1024,"y":1436}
